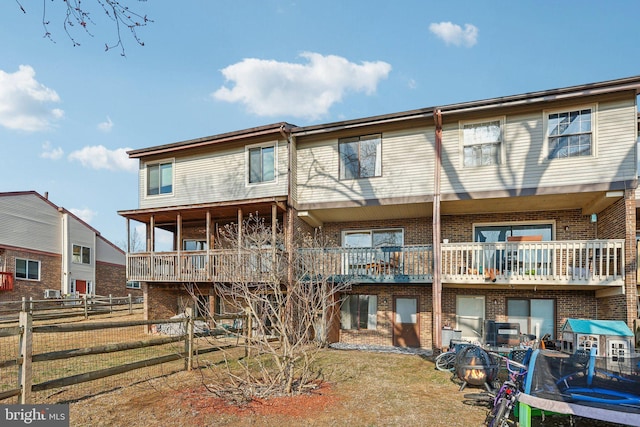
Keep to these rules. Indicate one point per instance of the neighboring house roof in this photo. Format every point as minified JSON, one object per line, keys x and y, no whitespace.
{"x":61,"y":210}
{"x":598,"y":327}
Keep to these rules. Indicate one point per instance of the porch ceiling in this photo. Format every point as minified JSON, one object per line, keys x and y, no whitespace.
{"x":592,"y":202}
{"x":222,"y":212}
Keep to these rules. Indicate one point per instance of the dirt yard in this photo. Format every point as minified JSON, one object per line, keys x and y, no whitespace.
{"x":361,"y":389}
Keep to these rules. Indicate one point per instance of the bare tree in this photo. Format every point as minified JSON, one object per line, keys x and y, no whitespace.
{"x":77,"y":15}
{"x":289,"y":305}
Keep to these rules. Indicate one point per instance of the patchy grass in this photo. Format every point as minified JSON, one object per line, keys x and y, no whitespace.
{"x":361,"y":389}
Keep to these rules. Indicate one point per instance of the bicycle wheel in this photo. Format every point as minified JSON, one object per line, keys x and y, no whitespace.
{"x":446,"y":361}
{"x":499,"y":415}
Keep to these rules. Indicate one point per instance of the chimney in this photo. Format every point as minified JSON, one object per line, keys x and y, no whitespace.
{"x":46,"y":195}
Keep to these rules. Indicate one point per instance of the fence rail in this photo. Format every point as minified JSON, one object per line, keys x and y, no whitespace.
{"x":35,"y":358}
{"x":59,"y":308}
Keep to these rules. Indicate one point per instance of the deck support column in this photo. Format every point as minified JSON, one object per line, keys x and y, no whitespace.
{"x":437,"y":264}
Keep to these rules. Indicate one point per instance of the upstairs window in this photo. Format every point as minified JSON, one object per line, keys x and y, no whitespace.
{"x":570,"y":134}
{"x":482,"y":143}
{"x":360,"y":157}
{"x":262,"y":164}
{"x":159,"y":178}
{"x":81,"y":254}
{"x":27,"y":269}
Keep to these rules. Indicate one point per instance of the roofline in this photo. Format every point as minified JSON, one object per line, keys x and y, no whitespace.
{"x":599,"y":88}
{"x":61,"y":210}
{"x":177,"y":208}
{"x":209,"y":140}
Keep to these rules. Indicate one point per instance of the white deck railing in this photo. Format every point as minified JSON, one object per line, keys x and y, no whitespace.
{"x":569,"y":261}
{"x":552,"y":262}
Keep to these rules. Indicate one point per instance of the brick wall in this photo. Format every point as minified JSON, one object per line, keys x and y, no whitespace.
{"x":383,"y":335}
{"x":111,"y":279}
{"x":569,"y":303}
{"x":50,"y":271}
{"x":616,"y":222}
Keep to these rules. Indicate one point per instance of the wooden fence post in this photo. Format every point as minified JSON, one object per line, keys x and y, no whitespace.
{"x":130,"y":304}
{"x":24,"y":304}
{"x":31,"y":305}
{"x":189,"y":338}
{"x":86,"y":311}
{"x":110,"y":303}
{"x":26,"y":353}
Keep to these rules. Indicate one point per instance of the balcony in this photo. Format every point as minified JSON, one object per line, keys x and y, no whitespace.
{"x":570,"y":262}
{"x":6,"y":281}
{"x":223,"y":265}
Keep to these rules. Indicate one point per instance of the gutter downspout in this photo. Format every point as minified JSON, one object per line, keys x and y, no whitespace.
{"x":437,"y":263}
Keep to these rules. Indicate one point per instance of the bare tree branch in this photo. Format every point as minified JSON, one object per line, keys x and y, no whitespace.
{"x":77,"y":14}
{"x":286,"y":322}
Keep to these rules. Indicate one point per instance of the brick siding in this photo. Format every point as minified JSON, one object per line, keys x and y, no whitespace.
{"x":50,"y":271}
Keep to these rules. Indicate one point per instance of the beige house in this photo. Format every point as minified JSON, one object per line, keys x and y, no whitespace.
{"x":46,"y":252}
{"x":520,"y":209}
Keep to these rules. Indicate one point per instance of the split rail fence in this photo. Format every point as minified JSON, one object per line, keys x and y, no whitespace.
{"x":59,"y":308}
{"x":51,"y":363}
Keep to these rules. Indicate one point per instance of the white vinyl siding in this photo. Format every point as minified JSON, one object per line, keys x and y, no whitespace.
{"x":27,"y":221}
{"x":217,"y":176}
{"x":526,"y":163}
{"x":106,"y":252}
{"x":406,"y":163}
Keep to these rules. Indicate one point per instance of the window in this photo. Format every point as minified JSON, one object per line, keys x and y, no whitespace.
{"x":360,"y":157}
{"x":359,"y":312}
{"x":535,"y":316}
{"x":194,"y":245}
{"x":373,"y":238}
{"x":27,"y":269}
{"x":262,"y":164}
{"x":159,"y":179}
{"x":569,"y":134}
{"x":482,"y":143}
{"x":81,"y":254}
{"x":133,"y":285}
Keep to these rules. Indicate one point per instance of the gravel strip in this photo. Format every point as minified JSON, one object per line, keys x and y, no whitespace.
{"x":382,"y":349}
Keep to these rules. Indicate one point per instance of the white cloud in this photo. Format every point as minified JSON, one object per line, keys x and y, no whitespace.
{"x":272,"y":88}
{"x":99,"y":157}
{"x":106,"y":126}
{"x":24,"y":103}
{"x":454,"y":34}
{"x":48,"y":152}
{"x":85,"y":214}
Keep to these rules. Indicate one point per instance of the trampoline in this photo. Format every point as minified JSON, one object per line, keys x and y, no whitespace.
{"x":582,"y":384}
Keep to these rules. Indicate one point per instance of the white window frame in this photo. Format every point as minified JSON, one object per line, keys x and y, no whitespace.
{"x":371,"y":231}
{"x":146,"y":178}
{"x":359,"y":139}
{"x":27,"y":261}
{"x":372,"y":317}
{"x":501,"y":143}
{"x":594,"y":131}
{"x":133,"y":284}
{"x":82,"y":248}
{"x":247,"y":156}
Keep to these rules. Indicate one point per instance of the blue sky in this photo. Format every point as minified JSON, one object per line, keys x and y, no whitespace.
{"x":69,"y":113}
